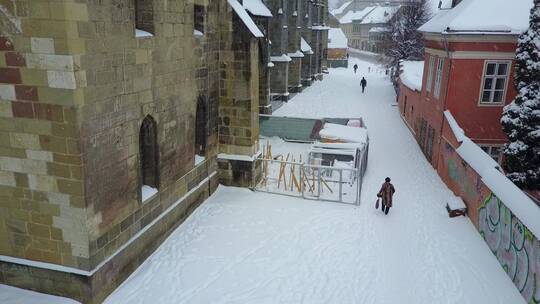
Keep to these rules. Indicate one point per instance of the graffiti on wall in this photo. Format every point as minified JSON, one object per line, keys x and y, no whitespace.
{"x":516,"y":248}
{"x":469,"y":184}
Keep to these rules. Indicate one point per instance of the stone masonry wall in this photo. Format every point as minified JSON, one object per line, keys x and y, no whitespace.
{"x":239,"y":106}
{"x":75,"y":84}
{"x":42,"y":82}
{"x":128,"y":79}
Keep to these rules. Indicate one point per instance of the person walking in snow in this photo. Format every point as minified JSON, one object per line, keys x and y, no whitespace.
{"x":355,"y":67}
{"x":363,"y":83}
{"x":385,"y":194}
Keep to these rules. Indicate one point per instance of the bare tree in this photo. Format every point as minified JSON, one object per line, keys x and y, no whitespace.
{"x":405,"y":42}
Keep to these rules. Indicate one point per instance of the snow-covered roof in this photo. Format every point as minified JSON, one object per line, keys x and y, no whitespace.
{"x":355,"y":15}
{"x":305,"y":47}
{"x":344,"y":133}
{"x":340,"y":9}
{"x":241,"y":12}
{"x":336,"y":39}
{"x":381,"y":14}
{"x":481,"y":16}
{"x":257,"y":8}
{"x":514,"y":198}
{"x":411,"y":74}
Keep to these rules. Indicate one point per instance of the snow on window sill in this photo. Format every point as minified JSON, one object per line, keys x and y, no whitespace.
{"x":141,"y":34}
{"x":199,"y":159}
{"x":147,"y":193}
{"x":198,"y":34}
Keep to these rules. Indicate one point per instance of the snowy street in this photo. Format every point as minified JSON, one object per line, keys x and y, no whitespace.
{"x":250,"y":247}
{"x":245,"y":247}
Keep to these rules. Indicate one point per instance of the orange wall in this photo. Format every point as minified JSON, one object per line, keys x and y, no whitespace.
{"x":480,"y":122}
{"x":337,"y":53}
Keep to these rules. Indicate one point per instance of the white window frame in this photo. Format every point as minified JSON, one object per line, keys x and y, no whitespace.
{"x":481,"y":102}
{"x":431,"y":65}
{"x":489,"y":150}
{"x":438,"y":77}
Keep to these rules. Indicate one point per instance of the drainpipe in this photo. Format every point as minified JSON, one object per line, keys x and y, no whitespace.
{"x":445,"y":43}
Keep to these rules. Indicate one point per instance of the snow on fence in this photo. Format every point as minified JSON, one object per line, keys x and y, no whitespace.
{"x":507,"y":219}
{"x":339,"y":182}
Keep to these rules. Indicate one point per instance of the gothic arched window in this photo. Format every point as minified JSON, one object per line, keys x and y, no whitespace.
{"x":149,"y":153}
{"x":201,"y":127}
{"x":144,"y":16}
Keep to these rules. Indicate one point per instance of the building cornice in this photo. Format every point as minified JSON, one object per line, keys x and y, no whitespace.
{"x":471,"y":37}
{"x":472,"y":54}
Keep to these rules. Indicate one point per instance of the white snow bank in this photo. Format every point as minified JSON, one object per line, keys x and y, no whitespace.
{"x":411,"y":74}
{"x":305,"y":47}
{"x":12,"y":295}
{"x":337,"y":39}
{"x":147,"y":192}
{"x":481,"y":16}
{"x":332,"y":131}
{"x":140,"y":33}
{"x":257,"y":8}
{"x":514,"y":198}
{"x":244,"y":16}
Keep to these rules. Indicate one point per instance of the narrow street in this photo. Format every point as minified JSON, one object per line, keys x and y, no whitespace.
{"x":246,"y":247}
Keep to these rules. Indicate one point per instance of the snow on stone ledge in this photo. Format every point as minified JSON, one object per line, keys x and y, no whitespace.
{"x":140,"y":33}
{"x":337,"y":39}
{"x":296,"y":54}
{"x":411,"y":74}
{"x":197,"y":33}
{"x":458,"y":132}
{"x":244,"y":16}
{"x":239,"y":157}
{"x":282,"y":58}
{"x":514,"y":198}
{"x":12,"y":295}
{"x":257,"y":8}
{"x":147,"y":192}
{"x":349,"y":134}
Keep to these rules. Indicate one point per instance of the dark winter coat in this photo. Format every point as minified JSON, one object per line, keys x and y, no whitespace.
{"x":386,"y":193}
{"x":363,"y":82}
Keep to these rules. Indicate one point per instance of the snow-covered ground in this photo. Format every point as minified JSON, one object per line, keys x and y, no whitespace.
{"x":11,"y":295}
{"x":248,"y":247}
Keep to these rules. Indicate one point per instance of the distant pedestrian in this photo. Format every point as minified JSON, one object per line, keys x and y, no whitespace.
{"x":386,"y":193}
{"x":363,"y":84}
{"x":355,"y":67}
{"x":369,"y":69}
